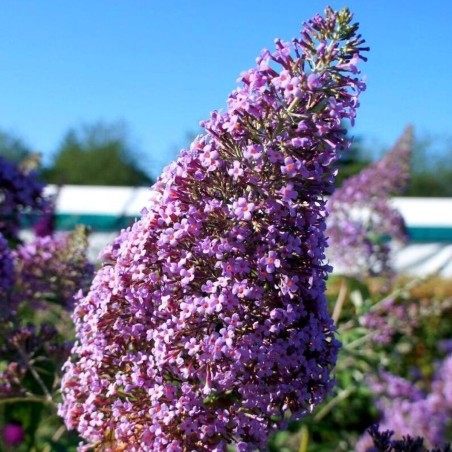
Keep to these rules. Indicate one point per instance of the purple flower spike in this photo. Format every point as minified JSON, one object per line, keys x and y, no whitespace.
{"x":6,"y":278}
{"x":52,"y":266}
{"x":362,"y":220}
{"x":408,"y":411}
{"x":208,"y":325}
{"x":20,"y":191}
{"x":6,"y":266}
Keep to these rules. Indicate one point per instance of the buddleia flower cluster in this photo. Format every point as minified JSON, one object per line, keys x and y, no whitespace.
{"x":396,"y":316}
{"x":382,"y":441}
{"x":20,"y":192}
{"x":37,"y":283}
{"x":362,"y":221}
{"x":407,"y":410}
{"x":45,"y":269}
{"x":6,"y":275}
{"x":52,"y":268}
{"x":207,"y":324}
{"x":48,"y":266}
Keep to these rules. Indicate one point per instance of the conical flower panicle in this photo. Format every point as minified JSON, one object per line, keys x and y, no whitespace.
{"x":369,"y":183}
{"x":361,"y":217}
{"x":208,"y":323}
{"x":20,"y":191}
{"x":52,"y":268}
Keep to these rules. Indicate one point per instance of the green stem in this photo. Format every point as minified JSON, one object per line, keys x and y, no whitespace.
{"x":340,"y":301}
{"x":410,"y":285}
{"x":34,"y":399}
{"x":304,"y":439}
{"x":35,"y":375}
{"x":332,"y":403}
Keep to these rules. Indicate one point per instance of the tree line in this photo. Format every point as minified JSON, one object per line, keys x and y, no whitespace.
{"x":90,"y":154}
{"x":102,"y":153}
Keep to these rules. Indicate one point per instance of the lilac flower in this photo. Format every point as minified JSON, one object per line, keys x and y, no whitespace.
{"x":313,"y":81}
{"x":236,"y":171}
{"x":253,"y":152}
{"x":292,"y":89}
{"x":406,"y":410}
{"x":52,"y":267}
{"x":230,"y":352}
{"x":396,"y":316}
{"x":20,"y":191}
{"x":209,"y":158}
{"x":46,"y":224}
{"x":288,"y":193}
{"x":270,"y":262}
{"x":243,"y":209}
{"x":290,"y":167}
{"x":441,"y":394}
{"x":362,"y":220}
{"x":381,"y":441}
{"x":392,"y":317}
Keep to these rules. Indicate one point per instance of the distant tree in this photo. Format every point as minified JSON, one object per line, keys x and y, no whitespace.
{"x":97,"y":154}
{"x":431,"y":168}
{"x":12,"y":147}
{"x":352,"y":162}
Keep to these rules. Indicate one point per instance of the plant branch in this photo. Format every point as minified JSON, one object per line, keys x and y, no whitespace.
{"x":332,"y":403}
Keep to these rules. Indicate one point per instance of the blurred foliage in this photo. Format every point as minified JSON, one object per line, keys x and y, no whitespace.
{"x":97,"y":154}
{"x":36,"y":408}
{"x":102,"y":154}
{"x":431,"y":168}
{"x":352,"y":162}
{"x":12,"y":147}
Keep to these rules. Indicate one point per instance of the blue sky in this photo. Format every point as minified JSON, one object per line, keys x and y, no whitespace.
{"x":162,"y":66}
